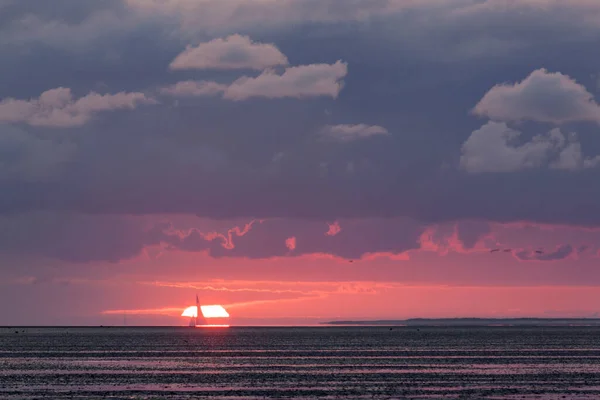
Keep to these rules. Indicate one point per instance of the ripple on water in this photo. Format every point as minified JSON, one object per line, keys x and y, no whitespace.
{"x":353,"y":362}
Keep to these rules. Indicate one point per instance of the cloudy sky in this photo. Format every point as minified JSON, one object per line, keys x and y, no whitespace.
{"x":298,"y":160}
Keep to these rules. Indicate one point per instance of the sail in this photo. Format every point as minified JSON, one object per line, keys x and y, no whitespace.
{"x":199,"y":317}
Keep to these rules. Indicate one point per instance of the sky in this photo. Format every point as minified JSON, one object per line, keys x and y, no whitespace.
{"x":298,"y":161}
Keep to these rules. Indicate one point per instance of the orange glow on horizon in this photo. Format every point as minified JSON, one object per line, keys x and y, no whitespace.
{"x":212,"y":326}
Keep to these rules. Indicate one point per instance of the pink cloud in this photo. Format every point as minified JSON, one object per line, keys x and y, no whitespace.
{"x":290,"y":243}
{"x":334,"y":229}
{"x":461,"y":237}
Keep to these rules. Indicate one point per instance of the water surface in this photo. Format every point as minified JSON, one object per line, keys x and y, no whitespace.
{"x":300,"y":363}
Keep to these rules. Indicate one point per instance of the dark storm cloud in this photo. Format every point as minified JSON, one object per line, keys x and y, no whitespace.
{"x":72,"y":237}
{"x":27,"y":157}
{"x":417,"y":72}
{"x":85,"y":238}
{"x":560,"y":253}
{"x":67,"y":11}
{"x":471,"y":232}
{"x":356,"y":239}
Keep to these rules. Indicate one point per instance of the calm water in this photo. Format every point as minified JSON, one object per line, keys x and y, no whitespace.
{"x":300,"y":363}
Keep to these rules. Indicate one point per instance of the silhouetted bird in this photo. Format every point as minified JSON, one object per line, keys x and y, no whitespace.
{"x":539,"y":252}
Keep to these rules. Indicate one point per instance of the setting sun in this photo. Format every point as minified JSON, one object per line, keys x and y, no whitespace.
{"x":191,"y":312}
{"x":214,"y":311}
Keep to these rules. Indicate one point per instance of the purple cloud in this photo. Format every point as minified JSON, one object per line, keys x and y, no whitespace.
{"x":560,"y":253}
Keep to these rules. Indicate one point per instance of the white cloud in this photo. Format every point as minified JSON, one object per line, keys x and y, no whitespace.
{"x":232,"y":52}
{"x":304,"y":81}
{"x":348,"y":133}
{"x":571,"y":157}
{"x":194,"y":88}
{"x":57,"y":108}
{"x":542,"y":97}
{"x":494,"y":148}
{"x":30,"y":158}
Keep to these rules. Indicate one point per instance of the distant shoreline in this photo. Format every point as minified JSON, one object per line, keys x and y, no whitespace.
{"x":474,"y":322}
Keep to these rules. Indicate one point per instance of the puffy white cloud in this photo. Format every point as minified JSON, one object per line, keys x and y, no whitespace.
{"x":494,"y":148}
{"x":232,"y":52}
{"x":571,"y":157}
{"x":30,"y":158}
{"x":348,"y":133}
{"x":57,"y":108}
{"x":542,"y":96}
{"x":303,"y":81}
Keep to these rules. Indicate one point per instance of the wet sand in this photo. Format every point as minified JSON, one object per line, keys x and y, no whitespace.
{"x":300,"y":363}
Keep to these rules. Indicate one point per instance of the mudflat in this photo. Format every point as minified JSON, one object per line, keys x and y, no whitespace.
{"x":300,"y":363}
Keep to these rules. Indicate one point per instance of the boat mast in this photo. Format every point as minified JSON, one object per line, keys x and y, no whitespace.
{"x":198,"y":311}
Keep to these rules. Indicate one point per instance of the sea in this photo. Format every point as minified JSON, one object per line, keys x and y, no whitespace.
{"x":300,"y":363}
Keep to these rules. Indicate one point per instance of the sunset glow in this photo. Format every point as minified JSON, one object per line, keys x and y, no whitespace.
{"x":212,"y":326}
{"x":411,"y":159}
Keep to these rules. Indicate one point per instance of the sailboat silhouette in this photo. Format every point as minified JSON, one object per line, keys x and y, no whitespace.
{"x":198,"y":319}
